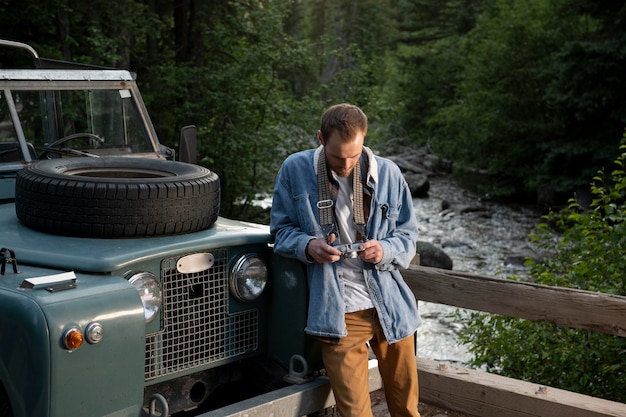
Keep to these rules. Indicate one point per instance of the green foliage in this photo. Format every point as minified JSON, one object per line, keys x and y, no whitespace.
{"x":542,"y":353}
{"x":499,"y":116}
{"x":524,"y":109}
{"x":587,"y":254}
{"x":240,"y":100}
{"x":430,"y":53}
{"x":527,"y":91}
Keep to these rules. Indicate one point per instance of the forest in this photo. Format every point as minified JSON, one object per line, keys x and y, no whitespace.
{"x":528,"y":93}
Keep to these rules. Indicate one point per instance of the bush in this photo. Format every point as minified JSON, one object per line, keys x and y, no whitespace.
{"x":586,"y":249}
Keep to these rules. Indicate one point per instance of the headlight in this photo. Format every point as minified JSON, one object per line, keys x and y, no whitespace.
{"x":248,"y":278}
{"x":150,"y":293}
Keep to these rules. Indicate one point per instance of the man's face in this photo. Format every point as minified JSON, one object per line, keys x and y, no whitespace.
{"x":342,"y":156}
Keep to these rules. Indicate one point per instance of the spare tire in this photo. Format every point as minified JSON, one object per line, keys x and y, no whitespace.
{"x":116,"y":197}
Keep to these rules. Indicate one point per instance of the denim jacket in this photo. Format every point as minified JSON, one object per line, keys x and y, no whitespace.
{"x":392,"y":221}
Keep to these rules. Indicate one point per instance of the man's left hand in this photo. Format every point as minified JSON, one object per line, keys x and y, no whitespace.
{"x":371,"y":251}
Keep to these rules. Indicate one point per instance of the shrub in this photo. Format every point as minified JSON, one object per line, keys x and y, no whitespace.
{"x":586,"y":251}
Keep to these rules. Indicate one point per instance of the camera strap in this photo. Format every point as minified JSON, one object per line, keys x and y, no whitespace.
{"x":325,"y":203}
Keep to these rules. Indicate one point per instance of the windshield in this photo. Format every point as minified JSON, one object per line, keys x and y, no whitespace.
{"x":99,"y":122}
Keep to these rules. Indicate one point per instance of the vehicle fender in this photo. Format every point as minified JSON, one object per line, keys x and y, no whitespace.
{"x":42,"y":377}
{"x":105,"y":378}
{"x":24,"y":355}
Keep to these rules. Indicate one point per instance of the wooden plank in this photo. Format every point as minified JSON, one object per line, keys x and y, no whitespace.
{"x":604,"y":313}
{"x":486,"y":395}
{"x":451,"y":387}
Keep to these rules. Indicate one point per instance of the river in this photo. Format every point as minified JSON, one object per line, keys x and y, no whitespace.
{"x":489,"y":239}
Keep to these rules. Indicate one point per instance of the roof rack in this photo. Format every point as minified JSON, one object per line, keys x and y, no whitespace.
{"x":48,"y":63}
{"x":30,"y":49}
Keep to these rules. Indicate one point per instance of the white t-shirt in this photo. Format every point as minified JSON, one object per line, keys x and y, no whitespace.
{"x":356,"y":295}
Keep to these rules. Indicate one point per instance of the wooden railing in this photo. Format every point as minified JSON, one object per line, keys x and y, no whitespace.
{"x":486,"y":395}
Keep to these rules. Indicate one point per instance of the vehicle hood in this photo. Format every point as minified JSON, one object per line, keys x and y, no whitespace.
{"x":105,"y":255}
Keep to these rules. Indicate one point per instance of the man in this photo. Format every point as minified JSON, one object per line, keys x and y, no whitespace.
{"x":349,"y":216}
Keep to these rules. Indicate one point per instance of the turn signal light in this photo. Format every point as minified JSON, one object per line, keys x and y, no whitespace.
{"x":73,"y":338}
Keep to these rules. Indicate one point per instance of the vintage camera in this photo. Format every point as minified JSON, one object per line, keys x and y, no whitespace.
{"x":349,"y":250}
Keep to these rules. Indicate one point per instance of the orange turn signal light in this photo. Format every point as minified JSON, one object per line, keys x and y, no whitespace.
{"x":73,"y":338}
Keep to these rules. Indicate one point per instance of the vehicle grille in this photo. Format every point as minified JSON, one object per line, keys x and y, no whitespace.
{"x":197,"y":328}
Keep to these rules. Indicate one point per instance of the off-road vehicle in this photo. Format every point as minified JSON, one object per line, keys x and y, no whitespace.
{"x":122,"y":290}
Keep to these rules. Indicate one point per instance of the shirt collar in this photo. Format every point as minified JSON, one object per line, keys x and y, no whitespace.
{"x":372,"y":171}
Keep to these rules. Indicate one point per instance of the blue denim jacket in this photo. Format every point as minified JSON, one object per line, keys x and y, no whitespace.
{"x":392,"y":221}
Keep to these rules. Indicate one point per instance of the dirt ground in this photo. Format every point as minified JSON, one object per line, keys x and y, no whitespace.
{"x":379,"y":407}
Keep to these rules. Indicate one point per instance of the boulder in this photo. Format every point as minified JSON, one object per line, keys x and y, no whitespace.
{"x":431,"y":255}
{"x":418,"y":165}
{"x":418,"y":184}
{"x":421,"y":161}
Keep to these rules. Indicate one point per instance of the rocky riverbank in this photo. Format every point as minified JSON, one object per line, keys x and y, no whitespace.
{"x":459,"y":229}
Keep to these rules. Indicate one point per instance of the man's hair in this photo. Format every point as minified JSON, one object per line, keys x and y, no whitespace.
{"x":345,"y":118}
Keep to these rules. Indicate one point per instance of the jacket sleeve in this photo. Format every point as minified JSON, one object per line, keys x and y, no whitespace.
{"x":290,"y":239}
{"x":399,"y":244}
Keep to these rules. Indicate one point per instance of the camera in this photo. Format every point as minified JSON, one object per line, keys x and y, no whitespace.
{"x":349,"y":250}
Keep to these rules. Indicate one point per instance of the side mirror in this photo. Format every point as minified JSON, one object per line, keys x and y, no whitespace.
{"x":188,"y":145}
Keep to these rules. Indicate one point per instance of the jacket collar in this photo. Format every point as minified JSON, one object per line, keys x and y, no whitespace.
{"x":372,"y":170}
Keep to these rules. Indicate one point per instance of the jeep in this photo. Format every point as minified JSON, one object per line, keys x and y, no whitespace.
{"x":123,"y":292}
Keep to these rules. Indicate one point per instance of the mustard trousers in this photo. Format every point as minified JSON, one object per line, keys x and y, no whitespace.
{"x":346,"y":363}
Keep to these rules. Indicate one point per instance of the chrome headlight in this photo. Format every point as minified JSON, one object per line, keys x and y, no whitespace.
{"x":248,"y":278}
{"x":149,"y":291}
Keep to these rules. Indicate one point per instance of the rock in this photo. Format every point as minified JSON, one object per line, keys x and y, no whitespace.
{"x":515,"y":260}
{"x":421,"y":161}
{"x":455,"y":244}
{"x":418,"y":184}
{"x":418,"y":165}
{"x":432,"y":256}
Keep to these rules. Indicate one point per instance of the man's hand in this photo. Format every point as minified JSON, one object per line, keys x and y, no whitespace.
{"x":321,"y":251}
{"x":371,"y":251}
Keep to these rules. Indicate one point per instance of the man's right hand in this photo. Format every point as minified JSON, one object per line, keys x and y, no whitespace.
{"x":321,"y":251}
